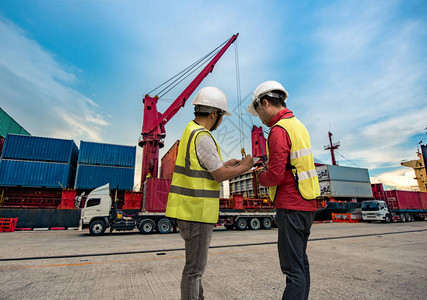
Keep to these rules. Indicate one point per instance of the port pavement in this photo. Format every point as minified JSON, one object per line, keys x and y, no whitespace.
{"x":348,"y":261}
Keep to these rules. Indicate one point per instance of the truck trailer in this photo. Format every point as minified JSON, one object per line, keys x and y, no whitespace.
{"x":394,"y":205}
{"x":99,"y":211}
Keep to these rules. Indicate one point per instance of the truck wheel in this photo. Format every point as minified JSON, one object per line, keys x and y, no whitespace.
{"x":388,"y":218}
{"x":267,"y":223}
{"x":164,"y":226}
{"x":409,"y":217}
{"x":403,"y":218}
{"x":146,"y":226}
{"x":241,"y":224}
{"x":254,"y":224}
{"x":97,"y":227}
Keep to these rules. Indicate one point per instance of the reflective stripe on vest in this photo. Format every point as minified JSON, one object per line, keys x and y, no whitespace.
{"x":301,"y":159}
{"x":194,"y":193}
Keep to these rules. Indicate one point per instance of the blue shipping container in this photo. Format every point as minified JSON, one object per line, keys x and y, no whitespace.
{"x":34,"y":148}
{"x":90,"y":177}
{"x":106,"y":155}
{"x":36,"y":174}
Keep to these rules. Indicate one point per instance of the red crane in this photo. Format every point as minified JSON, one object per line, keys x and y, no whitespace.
{"x":153,"y":127}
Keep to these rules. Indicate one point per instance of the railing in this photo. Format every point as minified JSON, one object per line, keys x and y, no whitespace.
{"x":343,"y":218}
{"x":8,"y":224}
{"x":33,"y":202}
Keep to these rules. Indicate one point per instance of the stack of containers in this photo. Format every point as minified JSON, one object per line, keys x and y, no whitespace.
{"x":99,"y":164}
{"x":39,"y":162}
{"x":344,"y":182}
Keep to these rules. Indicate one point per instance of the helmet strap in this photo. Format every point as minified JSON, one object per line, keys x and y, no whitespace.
{"x":218,"y":117}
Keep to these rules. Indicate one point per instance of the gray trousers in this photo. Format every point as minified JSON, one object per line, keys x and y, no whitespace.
{"x":197,"y":237}
{"x":294,"y":230}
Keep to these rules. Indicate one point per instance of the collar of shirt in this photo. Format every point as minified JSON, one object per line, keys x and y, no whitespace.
{"x":284,"y":113}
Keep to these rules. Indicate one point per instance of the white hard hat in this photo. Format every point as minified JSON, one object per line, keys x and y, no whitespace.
{"x":265,"y":89}
{"x":212,"y":97}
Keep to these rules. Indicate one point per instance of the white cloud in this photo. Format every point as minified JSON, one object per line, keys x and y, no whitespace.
{"x":400,"y":179}
{"x":369,"y":83}
{"x":37,"y":90}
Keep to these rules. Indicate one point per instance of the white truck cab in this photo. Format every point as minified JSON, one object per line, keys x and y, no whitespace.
{"x":376,"y":210}
{"x":96,"y":207}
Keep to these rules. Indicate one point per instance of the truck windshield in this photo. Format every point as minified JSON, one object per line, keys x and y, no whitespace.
{"x":370,"y":206}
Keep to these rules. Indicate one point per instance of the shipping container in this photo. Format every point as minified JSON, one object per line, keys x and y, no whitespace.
{"x":35,"y":174}
{"x":331,"y":172}
{"x":90,"y":177}
{"x":423,"y":199}
{"x":345,"y":189}
{"x":377,"y":188}
{"x":156,"y":193}
{"x":106,"y":155}
{"x":398,"y":200}
{"x":34,"y":148}
{"x":168,"y":162}
{"x":132,"y":200}
{"x":68,"y":197}
{"x":9,"y":125}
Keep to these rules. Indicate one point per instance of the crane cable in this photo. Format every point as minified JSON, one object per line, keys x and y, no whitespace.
{"x":346,"y":158}
{"x":239,"y":97}
{"x":181,"y":76}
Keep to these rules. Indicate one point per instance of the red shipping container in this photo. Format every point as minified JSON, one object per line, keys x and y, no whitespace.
{"x":156,"y":191}
{"x":377,"y":188}
{"x":68,"y":199}
{"x":409,"y":200}
{"x":168,"y":162}
{"x":423,"y":198}
{"x":403,"y":199}
{"x":133,"y":200}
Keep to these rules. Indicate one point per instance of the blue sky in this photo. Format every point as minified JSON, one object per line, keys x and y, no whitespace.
{"x":79,"y":69}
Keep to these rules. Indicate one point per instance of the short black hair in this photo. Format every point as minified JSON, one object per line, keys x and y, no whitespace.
{"x":201,"y":114}
{"x":275,"y":101}
{"x":204,"y":111}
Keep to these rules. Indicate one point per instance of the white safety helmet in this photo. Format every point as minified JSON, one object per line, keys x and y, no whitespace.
{"x":212,"y":97}
{"x":265,"y":89}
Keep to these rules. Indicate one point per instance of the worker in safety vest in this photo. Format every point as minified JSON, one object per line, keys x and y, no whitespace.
{"x":293,"y":184}
{"x":194,"y":194}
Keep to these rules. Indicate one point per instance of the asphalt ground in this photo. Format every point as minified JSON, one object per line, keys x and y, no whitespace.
{"x":348,"y":261}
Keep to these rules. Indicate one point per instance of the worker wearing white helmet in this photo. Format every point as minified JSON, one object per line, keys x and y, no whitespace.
{"x":293,"y":184}
{"x":194,"y":194}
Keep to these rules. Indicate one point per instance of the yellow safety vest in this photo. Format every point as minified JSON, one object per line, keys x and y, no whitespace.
{"x":301,"y":159}
{"x":194,"y":193}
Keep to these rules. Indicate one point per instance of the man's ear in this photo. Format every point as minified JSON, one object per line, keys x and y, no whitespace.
{"x":264,"y":103}
{"x":213,"y":114}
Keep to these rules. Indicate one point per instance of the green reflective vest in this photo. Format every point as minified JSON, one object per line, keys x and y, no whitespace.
{"x":301,"y":159}
{"x":194,"y":193}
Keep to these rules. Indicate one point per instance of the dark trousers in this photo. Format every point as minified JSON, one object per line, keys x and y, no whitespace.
{"x":294,"y":230}
{"x":197,"y":237}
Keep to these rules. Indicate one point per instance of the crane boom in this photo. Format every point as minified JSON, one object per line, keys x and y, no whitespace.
{"x":153,"y":131}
